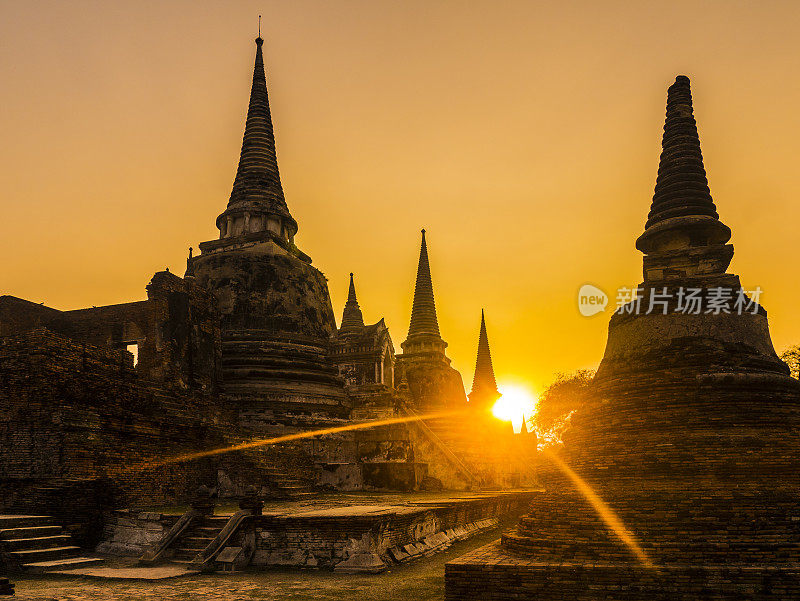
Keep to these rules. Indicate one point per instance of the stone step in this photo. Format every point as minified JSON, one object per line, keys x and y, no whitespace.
{"x":51,"y":553}
{"x":20,"y":521}
{"x":205,"y":531}
{"x":197,"y":541}
{"x":61,"y":564}
{"x":29,"y":532}
{"x":215,"y":519}
{"x":39,"y":542}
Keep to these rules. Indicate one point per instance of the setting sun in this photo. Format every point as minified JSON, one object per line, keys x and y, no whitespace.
{"x":517,"y":404}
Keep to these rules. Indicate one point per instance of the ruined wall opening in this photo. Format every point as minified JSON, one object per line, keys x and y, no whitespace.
{"x":133,"y":349}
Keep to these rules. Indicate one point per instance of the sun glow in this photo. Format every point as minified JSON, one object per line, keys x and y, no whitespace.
{"x":517,"y":405}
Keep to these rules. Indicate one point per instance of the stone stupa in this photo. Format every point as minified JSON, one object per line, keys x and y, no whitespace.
{"x":690,"y":434}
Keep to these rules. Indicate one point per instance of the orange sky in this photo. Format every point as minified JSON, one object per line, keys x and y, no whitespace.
{"x":523,"y":136}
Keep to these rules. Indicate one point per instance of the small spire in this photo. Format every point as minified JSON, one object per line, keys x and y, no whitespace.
{"x":352,"y":319}
{"x":423,"y":311}
{"x":259,"y":28}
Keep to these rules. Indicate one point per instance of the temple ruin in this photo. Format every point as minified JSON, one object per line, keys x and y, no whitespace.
{"x":244,"y":347}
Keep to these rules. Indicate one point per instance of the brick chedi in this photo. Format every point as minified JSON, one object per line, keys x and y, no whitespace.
{"x":484,"y":386}
{"x":689,"y":435}
{"x":277,"y":316}
{"x":433,"y":384}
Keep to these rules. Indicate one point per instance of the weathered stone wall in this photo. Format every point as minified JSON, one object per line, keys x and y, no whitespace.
{"x":489,"y":574}
{"x":331,"y":538}
{"x":130,"y":532}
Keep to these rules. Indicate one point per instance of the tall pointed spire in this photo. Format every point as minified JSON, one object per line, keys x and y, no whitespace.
{"x":423,"y":310}
{"x":257,"y":186}
{"x":352,"y":319}
{"x":682,"y":199}
{"x":484,"y":380}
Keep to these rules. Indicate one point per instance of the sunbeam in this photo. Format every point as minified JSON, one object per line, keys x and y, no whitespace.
{"x":605,"y":512}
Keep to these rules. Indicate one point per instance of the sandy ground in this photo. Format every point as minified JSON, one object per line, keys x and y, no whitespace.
{"x":422,"y":580}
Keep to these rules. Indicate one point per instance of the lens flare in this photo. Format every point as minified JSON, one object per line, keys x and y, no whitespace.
{"x":605,"y":512}
{"x":517,"y":405}
{"x":250,"y":444}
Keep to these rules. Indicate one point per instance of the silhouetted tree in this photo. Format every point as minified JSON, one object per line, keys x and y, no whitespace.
{"x":566,"y":394}
{"x":791,"y":356}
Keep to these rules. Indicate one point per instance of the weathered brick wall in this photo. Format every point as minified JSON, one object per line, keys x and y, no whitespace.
{"x":19,"y":315}
{"x":70,"y":411}
{"x":176,"y":329}
{"x":694,"y":448}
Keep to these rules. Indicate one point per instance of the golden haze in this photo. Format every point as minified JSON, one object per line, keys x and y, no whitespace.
{"x":523,"y":136}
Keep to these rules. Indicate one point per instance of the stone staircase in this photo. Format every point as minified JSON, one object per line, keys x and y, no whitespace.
{"x":36,"y":543}
{"x":198,"y":537}
{"x":292,"y":487}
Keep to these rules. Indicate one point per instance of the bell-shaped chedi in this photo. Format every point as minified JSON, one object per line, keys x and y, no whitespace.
{"x":484,"y":386}
{"x":687,"y":291}
{"x":432,"y":382}
{"x":277,"y":313}
{"x":678,"y":478}
{"x":423,"y":330}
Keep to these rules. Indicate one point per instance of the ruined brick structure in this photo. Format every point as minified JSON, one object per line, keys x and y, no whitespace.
{"x":689,"y":435}
{"x":175,"y":331}
{"x":364,"y":355}
{"x":244,"y":346}
{"x":76,"y":419}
